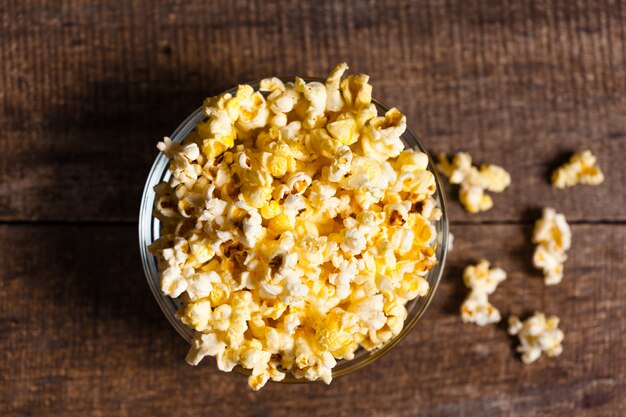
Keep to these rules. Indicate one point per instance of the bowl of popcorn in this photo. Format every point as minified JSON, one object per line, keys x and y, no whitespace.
{"x":293,"y":229}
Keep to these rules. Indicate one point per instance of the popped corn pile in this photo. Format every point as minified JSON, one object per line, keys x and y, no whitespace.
{"x":581,"y":169}
{"x":537,"y":334}
{"x":295,"y":227}
{"x":553,"y":237}
{"x":474,"y":181}
{"x":482,"y":281}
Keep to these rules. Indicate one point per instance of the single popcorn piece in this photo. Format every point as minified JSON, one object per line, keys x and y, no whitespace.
{"x":537,"y":334}
{"x":473,"y":181}
{"x":295,"y":227}
{"x":553,"y":238}
{"x":581,"y":169}
{"x":478,"y":310}
{"x":482,"y":281}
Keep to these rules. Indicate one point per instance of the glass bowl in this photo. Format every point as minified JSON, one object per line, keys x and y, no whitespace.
{"x":149,"y":231}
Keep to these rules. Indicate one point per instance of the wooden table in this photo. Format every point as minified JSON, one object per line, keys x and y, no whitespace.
{"x":87,"y":88}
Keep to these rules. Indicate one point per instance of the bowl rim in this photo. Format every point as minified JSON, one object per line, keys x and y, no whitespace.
{"x":148,"y":228}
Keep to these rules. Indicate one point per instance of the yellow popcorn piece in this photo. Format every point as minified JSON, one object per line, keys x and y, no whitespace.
{"x":219,"y":295}
{"x":474,"y":181}
{"x":197,"y":315}
{"x":341,"y":164}
{"x":315,"y":93}
{"x":482,"y":281}
{"x":295,"y":227}
{"x":482,"y":278}
{"x":278,"y":165}
{"x":323,"y":144}
{"x":272,"y":84}
{"x":357,"y":91}
{"x":335,"y":330}
{"x":537,"y":334}
{"x":257,"y":188}
{"x":494,"y":178}
{"x":253,"y":111}
{"x":412,"y":286}
{"x":581,"y":169}
{"x":271,"y":210}
{"x":553,"y":238}
{"x":381,"y":138}
{"x":410,"y":161}
{"x":280,"y":224}
{"x":344,"y":130}
{"x":474,"y":199}
{"x":334,"y":100}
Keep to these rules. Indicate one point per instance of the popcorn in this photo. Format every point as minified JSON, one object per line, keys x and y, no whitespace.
{"x":169,"y":148}
{"x":537,"y":334}
{"x":200,"y":284}
{"x":340,"y":166}
{"x":344,"y":130}
{"x":481,"y":278}
{"x":553,"y":238}
{"x":254,"y":112}
{"x":357,"y":92}
{"x":581,"y":169}
{"x":218,"y":132}
{"x":295,"y":227}
{"x":322,"y":198}
{"x":251,"y":225}
{"x":482,"y":281}
{"x":298,"y":182}
{"x":381,"y":138}
{"x":474,"y":199}
{"x":206,"y":344}
{"x":334,"y":101}
{"x":473,"y":181}
{"x":315,"y":94}
{"x":477,"y":309}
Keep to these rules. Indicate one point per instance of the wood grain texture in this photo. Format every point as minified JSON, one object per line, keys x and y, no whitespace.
{"x":81,"y":335}
{"x":88,"y":88}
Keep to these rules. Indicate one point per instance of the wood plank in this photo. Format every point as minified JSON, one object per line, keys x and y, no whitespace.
{"x":81,"y":335}
{"x":88,"y":88}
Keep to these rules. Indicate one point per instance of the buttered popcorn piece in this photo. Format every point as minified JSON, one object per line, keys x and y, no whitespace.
{"x":553,"y":238}
{"x":474,"y":181}
{"x":477,"y":309}
{"x":537,"y":334}
{"x":482,"y":281}
{"x":295,"y":227}
{"x":581,"y":169}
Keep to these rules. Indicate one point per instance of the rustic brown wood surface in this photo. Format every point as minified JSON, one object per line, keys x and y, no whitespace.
{"x":87,"y":89}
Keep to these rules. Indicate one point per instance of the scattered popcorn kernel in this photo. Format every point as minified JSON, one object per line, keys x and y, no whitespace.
{"x":481,"y":278}
{"x":474,"y":181}
{"x":477,"y":309}
{"x":553,"y":238}
{"x":581,"y":169}
{"x":482,"y":281}
{"x":295,"y":227}
{"x":537,"y":334}
{"x":474,"y":199}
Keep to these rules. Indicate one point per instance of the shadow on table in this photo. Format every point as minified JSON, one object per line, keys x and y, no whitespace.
{"x":99,"y":139}
{"x":102,"y":139}
{"x":93,"y":286}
